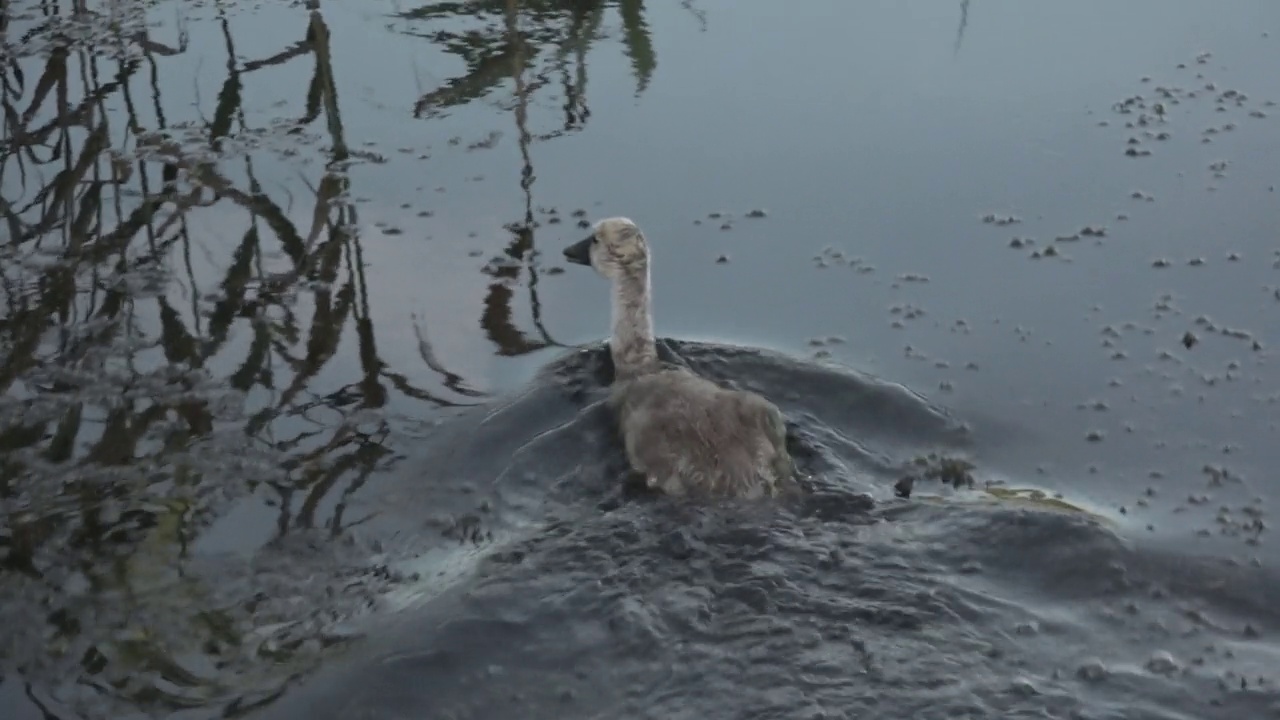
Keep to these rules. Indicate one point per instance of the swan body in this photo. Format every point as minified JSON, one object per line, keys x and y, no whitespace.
{"x":685,"y":434}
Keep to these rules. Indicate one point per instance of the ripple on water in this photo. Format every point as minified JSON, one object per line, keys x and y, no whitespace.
{"x":837,"y":608}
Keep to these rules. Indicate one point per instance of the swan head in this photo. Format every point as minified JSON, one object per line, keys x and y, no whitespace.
{"x":615,"y":247}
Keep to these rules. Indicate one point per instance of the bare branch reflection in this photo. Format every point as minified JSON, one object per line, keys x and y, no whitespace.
{"x":516,"y":50}
{"x":964,"y":23}
{"x":182,"y":345}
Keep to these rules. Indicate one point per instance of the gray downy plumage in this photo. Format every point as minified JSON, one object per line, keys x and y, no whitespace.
{"x":685,"y":434}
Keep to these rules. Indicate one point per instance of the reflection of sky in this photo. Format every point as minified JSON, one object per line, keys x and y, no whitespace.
{"x":857,"y":125}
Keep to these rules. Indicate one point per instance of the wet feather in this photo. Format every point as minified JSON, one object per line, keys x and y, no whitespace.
{"x":685,"y":434}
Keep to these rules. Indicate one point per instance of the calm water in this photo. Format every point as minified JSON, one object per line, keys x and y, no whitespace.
{"x":280,"y":282}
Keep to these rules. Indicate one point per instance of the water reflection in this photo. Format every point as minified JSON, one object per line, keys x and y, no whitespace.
{"x":186,"y":412}
{"x":964,"y":23}
{"x":528,"y":47}
{"x":235,"y":305}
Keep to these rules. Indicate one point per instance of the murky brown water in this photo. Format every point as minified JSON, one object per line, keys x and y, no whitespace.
{"x":279,"y":281}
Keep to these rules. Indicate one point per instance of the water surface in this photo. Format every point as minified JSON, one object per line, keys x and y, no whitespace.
{"x":280,"y":281}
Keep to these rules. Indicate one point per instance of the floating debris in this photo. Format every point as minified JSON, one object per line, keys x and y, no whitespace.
{"x":907,"y":311}
{"x":485,"y":143}
{"x":1049,"y":251}
{"x":994,"y":219}
{"x":953,"y":471}
{"x":1162,"y":663}
{"x":903,"y":487}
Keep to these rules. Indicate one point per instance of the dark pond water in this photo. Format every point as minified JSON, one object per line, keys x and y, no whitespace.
{"x":297,"y":415}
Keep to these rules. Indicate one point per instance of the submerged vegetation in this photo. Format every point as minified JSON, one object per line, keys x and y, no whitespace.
{"x":187,"y":333}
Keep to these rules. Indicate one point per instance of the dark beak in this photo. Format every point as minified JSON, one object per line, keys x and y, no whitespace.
{"x":580,"y":252}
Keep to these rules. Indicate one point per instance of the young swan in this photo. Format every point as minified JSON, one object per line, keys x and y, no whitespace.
{"x":683,"y":433}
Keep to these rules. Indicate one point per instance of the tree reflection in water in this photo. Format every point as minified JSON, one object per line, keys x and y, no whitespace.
{"x":158,"y":385}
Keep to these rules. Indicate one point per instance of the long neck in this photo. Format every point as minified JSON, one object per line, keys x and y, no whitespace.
{"x":632,"y":344}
